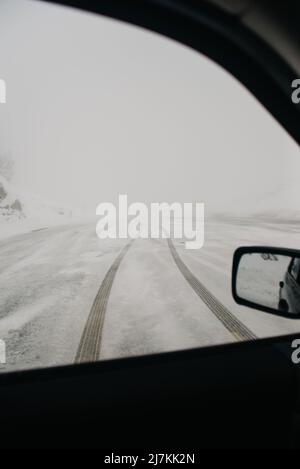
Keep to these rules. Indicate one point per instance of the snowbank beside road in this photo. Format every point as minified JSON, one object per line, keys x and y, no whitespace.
{"x":21,"y":213}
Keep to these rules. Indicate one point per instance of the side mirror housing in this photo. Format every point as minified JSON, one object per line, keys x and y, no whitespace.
{"x":267,"y":279}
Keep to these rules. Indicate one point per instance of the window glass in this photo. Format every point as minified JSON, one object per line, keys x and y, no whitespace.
{"x":295,"y":269}
{"x":101,"y":122}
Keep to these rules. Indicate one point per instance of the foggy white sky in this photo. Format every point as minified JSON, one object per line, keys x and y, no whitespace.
{"x":96,"y":108}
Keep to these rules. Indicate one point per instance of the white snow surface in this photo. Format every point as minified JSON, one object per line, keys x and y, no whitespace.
{"x":258,"y":278}
{"x":50,"y":278}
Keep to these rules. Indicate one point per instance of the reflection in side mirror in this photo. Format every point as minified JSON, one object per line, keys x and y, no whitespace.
{"x":267,"y":279}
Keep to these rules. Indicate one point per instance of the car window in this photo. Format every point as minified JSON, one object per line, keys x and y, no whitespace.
{"x":131,"y":168}
{"x":295,"y":269}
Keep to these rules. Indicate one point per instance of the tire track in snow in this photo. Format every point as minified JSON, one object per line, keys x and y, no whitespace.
{"x":234,"y":326}
{"x":90,"y":342}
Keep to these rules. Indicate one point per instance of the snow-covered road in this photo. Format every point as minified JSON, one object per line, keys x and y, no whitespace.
{"x":50,"y":278}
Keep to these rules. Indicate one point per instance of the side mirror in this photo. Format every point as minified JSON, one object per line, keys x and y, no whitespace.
{"x":267,"y":279}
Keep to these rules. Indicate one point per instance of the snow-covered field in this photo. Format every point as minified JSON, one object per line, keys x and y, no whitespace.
{"x":50,"y":277}
{"x":23,"y":212}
